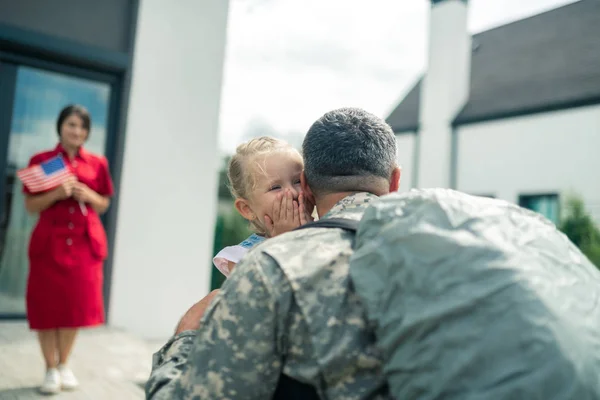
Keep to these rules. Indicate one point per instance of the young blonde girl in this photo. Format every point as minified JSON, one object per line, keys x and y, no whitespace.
{"x":264,"y":178}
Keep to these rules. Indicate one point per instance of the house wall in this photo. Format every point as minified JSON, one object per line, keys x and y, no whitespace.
{"x":168,"y":193}
{"x":406,"y":143}
{"x":555,"y":152}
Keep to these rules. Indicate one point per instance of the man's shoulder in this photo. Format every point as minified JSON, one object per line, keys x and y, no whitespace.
{"x":304,"y":241}
{"x":303,"y":254}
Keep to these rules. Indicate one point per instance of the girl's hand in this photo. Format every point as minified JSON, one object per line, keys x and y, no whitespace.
{"x":306,"y":209}
{"x":230,"y":266}
{"x":285,"y":215}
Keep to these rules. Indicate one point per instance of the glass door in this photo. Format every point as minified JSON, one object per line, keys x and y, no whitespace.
{"x":30,"y":100}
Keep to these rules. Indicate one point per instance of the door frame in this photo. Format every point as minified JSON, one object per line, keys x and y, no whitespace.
{"x":9,"y":64}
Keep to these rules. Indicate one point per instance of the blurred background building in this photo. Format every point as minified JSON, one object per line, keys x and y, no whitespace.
{"x":512,"y":112}
{"x":150,"y":75}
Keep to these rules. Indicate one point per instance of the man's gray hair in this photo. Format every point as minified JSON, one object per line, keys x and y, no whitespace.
{"x":348,"y":150}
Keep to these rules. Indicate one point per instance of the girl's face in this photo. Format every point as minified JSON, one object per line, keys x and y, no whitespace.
{"x":273,"y":174}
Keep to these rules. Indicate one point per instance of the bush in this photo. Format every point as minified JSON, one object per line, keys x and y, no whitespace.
{"x":580,"y":228}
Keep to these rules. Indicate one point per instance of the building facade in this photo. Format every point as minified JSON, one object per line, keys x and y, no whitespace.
{"x":513,"y":112}
{"x":150,"y":73}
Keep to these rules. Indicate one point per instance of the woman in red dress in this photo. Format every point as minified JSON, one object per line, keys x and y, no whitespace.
{"x":67,"y":249}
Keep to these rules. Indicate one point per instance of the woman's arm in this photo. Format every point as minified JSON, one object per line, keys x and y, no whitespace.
{"x":100,"y":199}
{"x":39,"y":202}
{"x":100,"y":203}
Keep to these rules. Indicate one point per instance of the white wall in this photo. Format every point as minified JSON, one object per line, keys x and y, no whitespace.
{"x":405,"y":143}
{"x":445,"y":89}
{"x":552,"y":152}
{"x":166,"y":214}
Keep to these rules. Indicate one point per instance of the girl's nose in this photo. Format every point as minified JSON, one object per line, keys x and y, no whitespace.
{"x":295,"y":192}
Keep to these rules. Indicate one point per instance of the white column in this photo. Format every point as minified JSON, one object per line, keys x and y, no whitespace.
{"x":445,"y":89}
{"x":167,"y":205}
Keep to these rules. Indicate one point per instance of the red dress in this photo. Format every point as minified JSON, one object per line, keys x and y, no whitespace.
{"x":66,"y":252}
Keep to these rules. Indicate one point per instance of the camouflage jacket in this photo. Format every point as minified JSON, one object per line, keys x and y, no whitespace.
{"x":288,"y":307}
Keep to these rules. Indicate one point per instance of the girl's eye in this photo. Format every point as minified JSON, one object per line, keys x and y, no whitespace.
{"x":297,"y":182}
{"x":275,"y":187}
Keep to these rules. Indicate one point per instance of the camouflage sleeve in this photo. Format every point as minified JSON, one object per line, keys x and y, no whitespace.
{"x":168,"y":364}
{"x":237,"y":353}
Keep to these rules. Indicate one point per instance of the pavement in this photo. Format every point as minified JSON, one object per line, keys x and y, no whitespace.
{"x":109,"y":364}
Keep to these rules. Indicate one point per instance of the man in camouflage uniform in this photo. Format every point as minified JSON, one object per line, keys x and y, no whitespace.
{"x":289,"y":306}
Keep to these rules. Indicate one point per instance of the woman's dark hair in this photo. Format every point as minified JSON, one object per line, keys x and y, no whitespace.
{"x":74,"y":109}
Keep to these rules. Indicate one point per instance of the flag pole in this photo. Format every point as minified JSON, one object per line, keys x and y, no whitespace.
{"x":82,"y":208}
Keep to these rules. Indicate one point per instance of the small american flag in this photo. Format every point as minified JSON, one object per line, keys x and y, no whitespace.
{"x":44,"y":176}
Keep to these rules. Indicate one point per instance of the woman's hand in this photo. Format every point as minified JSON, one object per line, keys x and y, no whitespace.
{"x":288,"y":214}
{"x":36,"y":203}
{"x":81,"y":192}
{"x":66,"y":189}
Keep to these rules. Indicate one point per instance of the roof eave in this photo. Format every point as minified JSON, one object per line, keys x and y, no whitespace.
{"x":404,"y":130}
{"x":462,"y":120}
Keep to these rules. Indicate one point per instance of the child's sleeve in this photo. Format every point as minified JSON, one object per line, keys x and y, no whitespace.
{"x":235,"y":253}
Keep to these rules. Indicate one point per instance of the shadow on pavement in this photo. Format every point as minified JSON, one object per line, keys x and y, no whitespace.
{"x":30,"y":392}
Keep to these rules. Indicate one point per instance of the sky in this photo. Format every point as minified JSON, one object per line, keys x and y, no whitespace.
{"x":289,"y":61}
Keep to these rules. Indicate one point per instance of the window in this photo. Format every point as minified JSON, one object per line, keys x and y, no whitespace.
{"x":545,"y":204}
{"x":35,"y":97}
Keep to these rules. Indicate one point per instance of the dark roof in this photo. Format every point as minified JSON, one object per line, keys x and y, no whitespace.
{"x":405,"y":117}
{"x":546,"y":62}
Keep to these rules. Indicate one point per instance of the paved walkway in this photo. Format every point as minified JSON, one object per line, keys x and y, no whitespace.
{"x":109,"y":364}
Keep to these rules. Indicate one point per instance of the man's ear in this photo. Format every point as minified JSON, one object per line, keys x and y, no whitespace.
{"x":242,"y":206}
{"x":306,"y":189}
{"x":395,"y":180}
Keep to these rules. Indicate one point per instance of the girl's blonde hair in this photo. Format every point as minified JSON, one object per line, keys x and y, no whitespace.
{"x":242,"y":178}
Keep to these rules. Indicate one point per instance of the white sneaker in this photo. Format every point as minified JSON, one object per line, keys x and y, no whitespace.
{"x":51,"y":383}
{"x":68,"y":380}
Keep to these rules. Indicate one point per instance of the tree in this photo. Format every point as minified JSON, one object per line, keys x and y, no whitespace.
{"x":580,"y":228}
{"x":223,"y":191}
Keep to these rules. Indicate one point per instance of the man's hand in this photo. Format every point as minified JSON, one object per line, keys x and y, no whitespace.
{"x":191,"y":319}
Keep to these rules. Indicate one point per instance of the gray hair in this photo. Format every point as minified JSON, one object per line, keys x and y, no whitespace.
{"x":348,"y":150}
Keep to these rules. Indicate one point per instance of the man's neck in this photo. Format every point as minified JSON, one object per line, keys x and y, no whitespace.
{"x":326,"y":202}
